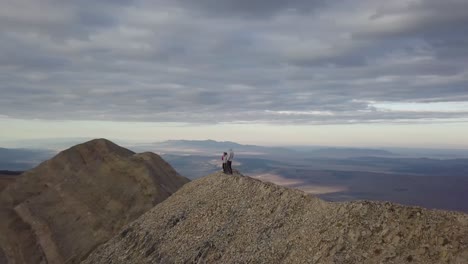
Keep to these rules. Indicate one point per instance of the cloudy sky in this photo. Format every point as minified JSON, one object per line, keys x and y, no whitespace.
{"x":343,"y":72}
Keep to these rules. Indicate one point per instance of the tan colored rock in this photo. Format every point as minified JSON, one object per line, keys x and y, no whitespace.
{"x":67,"y":206}
{"x":237,"y":219}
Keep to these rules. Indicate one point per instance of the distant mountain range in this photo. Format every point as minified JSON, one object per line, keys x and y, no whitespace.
{"x":22,"y":159}
{"x":211,"y":146}
{"x":350,"y":152}
{"x":214,"y":147}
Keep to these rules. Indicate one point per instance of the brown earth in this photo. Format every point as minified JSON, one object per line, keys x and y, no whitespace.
{"x":5,"y":180}
{"x":237,"y":219}
{"x":61,"y":210}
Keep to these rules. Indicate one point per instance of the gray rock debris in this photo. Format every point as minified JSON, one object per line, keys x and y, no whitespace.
{"x":237,"y":219}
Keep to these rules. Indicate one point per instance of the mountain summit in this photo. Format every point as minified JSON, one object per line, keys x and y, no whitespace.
{"x":237,"y":219}
{"x":61,"y":210}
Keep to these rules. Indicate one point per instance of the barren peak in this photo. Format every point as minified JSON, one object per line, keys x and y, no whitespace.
{"x":100,"y":146}
{"x":236,"y":219}
{"x":61,"y":210}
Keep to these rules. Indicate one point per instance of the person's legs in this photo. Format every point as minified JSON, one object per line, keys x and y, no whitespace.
{"x":229,"y":168}
{"x":224,"y":168}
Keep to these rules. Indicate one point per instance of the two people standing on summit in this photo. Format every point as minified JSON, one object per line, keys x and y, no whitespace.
{"x":227,"y":161}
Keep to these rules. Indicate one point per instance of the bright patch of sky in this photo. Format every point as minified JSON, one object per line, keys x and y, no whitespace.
{"x":441,"y":107}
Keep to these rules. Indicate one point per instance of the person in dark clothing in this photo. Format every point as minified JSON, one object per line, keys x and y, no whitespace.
{"x":224,"y":159}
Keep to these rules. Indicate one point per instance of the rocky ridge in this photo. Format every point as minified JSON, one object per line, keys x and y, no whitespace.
{"x":61,"y":210}
{"x":237,"y":219}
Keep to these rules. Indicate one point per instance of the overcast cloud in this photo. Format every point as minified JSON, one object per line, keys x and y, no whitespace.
{"x":209,"y":61}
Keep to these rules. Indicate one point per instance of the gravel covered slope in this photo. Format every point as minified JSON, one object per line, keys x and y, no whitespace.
{"x":237,"y":219}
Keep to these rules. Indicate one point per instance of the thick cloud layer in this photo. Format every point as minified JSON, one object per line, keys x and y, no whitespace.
{"x":234,"y":61}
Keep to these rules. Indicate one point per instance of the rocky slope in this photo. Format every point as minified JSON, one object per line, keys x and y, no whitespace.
{"x":61,"y":210}
{"x":7,"y":177}
{"x":5,"y":180}
{"x":236,"y":219}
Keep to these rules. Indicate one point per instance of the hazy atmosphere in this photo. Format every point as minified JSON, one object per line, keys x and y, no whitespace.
{"x":351,"y":73}
{"x":233,"y":131}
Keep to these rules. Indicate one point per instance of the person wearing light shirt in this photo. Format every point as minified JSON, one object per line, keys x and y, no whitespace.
{"x":230,"y":157}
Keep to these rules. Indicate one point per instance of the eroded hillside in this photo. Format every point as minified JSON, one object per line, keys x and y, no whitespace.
{"x":67,"y":206}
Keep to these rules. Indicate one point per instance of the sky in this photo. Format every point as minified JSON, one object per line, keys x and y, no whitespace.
{"x":345,"y":72}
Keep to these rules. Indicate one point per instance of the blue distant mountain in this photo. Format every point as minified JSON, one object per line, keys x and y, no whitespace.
{"x":213,"y":147}
{"x":217,"y":146}
{"x":22,"y":159}
{"x":352,"y":152}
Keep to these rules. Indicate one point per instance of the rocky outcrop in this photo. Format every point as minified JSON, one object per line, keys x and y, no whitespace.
{"x":237,"y":219}
{"x":64,"y":208}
